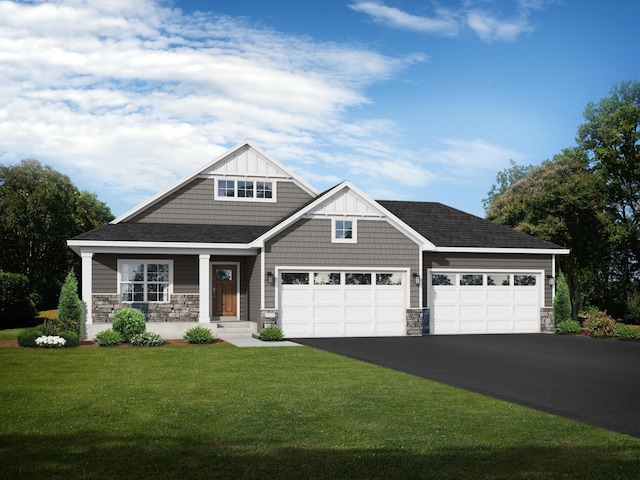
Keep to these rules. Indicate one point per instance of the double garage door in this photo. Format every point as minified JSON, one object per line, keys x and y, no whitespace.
{"x":485,"y":302}
{"x":342,"y":303}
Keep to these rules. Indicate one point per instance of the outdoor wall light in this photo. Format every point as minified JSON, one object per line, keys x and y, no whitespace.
{"x":552,"y":280}
{"x":270,"y":278}
{"x":416,"y":279}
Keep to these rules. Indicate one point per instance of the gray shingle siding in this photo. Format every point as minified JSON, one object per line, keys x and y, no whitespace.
{"x":194,"y":203}
{"x":308,"y":243}
{"x":490,"y":261}
{"x":253,"y":272}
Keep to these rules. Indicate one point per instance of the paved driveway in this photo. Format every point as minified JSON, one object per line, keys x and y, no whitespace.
{"x":596,"y":381}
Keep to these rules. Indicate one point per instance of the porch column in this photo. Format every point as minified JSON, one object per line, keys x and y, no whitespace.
{"x":205,"y":288}
{"x":87,"y":279}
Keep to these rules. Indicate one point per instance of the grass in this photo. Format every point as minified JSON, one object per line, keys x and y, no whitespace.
{"x":217,"y":411}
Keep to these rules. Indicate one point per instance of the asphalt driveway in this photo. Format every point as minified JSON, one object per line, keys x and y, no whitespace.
{"x":595,"y":381}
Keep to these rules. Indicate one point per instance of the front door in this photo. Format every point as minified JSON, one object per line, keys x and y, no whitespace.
{"x":225,"y":294}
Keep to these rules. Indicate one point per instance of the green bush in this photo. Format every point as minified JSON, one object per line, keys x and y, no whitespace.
{"x":27,"y":337}
{"x":146,"y":339}
{"x":128,"y":322}
{"x":633,"y":308}
{"x":16,"y":306}
{"x":71,"y":338}
{"x":568,"y":327}
{"x":198,"y":335}
{"x":599,"y":325}
{"x":626,"y":332}
{"x":270,"y":334}
{"x":70,"y":306}
{"x":108,"y":338}
{"x":562,"y":301}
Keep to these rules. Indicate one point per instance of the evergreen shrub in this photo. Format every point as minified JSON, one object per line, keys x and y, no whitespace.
{"x":626,"y":332}
{"x":70,"y":306}
{"x":128,"y":322}
{"x":270,"y":334}
{"x":198,"y":335}
{"x":562,"y":301}
{"x":108,"y":338}
{"x":27,"y":337}
{"x":71,"y":338}
{"x":568,"y":327}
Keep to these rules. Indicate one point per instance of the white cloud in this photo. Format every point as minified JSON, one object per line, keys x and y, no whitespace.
{"x":489,"y":28}
{"x":444,"y":23}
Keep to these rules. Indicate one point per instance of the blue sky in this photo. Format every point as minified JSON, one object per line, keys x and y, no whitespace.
{"x":408,"y":100}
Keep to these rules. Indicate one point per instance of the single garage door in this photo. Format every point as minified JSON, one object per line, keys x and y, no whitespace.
{"x":472,"y":302}
{"x":338,"y":303}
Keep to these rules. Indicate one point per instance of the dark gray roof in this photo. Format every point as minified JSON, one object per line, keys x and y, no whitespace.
{"x":171,"y":232}
{"x":447,"y":227}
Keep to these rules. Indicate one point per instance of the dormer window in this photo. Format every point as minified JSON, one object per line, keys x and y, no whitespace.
{"x":246,"y":190}
{"x":343,"y":231}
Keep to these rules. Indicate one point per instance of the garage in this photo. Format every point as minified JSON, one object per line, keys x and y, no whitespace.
{"x":472,"y":302}
{"x":342,"y":303}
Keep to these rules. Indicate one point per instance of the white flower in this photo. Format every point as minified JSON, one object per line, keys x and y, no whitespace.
{"x":50,"y":341}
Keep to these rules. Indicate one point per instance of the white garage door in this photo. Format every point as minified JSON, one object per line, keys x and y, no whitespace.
{"x":342,"y":303}
{"x":472,"y":302}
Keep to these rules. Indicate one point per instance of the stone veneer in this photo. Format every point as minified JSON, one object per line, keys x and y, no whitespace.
{"x":184,"y":307}
{"x":414,"y":321}
{"x":546,"y":320}
{"x":269,"y":317}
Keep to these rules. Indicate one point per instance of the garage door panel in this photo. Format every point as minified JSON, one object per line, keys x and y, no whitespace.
{"x":525,"y":295}
{"x":326,"y":295}
{"x":499,"y":295}
{"x":471,"y":311}
{"x":472,"y":295}
{"x":326,"y":312}
{"x":524,"y":311}
{"x":445,"y":294}
{"x":327,"y":329}
{"x":499,"y":326}
{"x":498,"y":311}
{"x":473,"y":325}
{"x":358,"y":295}
{"x":388,"y":329}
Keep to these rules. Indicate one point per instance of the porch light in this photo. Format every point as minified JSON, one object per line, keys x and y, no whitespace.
{"x":551,"y":280}
{"x":270,"y":278}
{"x":416,"y":279}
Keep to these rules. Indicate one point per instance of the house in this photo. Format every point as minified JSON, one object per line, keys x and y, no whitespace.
{"x":244,"y":241}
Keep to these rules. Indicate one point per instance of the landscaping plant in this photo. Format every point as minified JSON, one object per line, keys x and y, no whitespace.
{"x":626,"y":332}
{"x":108,"y":338}
{"x":599,"y":325}
{"x":562,"y":301}
{"x":146,"y":339}
{"x":71,"y":338}
{"x":270,"y":334}
{"x":27,"y":337}
{"x":70,"y":306}
{"x":568,"y":327}
{"x":50,"y":341}
{"x":128,"y":322}
{"x":198,"y":335}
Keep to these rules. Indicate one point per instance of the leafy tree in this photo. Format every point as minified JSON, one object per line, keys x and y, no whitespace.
{"x":561,"y":201}
{"x":611,"y":136}
{"x":39,"y":210}
{"x":70,"y":306}
{"x":15,"y":302}
{"x":504,"y":179}
{"x":561,"y":302}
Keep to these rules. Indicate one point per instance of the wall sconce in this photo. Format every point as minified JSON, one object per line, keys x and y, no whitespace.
{"x":270,"y":279}
{"x":416,"y":279}
{"x":551,"y":280}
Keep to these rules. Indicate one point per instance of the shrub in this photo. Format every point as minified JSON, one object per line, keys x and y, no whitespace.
{"x":562,"y":301}
{"x":70,"y":306}
{"x":633,"y":308}
{"x":108,"y":338}
{"x":27,"y":338}
{"x":270,"y":334}
{"x":198,"y":335}
{"x":71,"y":338}
{"x":626,"y":332}
{"x":568,"y":327}
{"x":146,"y":339}
{"x":129,"y":321}
{"x":599,"y":325}
{"x":16,"y":306}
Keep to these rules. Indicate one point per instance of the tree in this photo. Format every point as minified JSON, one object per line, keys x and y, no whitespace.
{"x":504,"y":180}
{"x":70,"y":306}
{"x":561,"y":302}
{"x":611,"y":137}
{"x":561,"y":201}
{"x":39,"y":210}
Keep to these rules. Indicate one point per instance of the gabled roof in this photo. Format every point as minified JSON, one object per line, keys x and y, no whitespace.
{"x":451,"y":229}
{"x":235,"y":162}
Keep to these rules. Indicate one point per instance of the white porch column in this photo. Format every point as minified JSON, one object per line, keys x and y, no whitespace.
{"x":87,"y":279}
{"x":205,"y":288}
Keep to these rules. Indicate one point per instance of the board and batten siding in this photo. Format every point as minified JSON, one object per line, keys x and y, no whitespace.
{"x":194,"y":203}
{"x":105,"y":271}
{"x":308,"y":243}
{"x":480,"y":261}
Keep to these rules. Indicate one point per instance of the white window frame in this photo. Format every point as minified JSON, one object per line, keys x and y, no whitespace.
{"x":146,"y":262}
{"x":254,"y":197}
{"x":354,"y":230}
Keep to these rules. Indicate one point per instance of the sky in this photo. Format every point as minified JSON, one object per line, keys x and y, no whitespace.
{"x":408,"y":100}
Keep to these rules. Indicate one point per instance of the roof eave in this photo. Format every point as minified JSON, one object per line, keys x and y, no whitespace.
{"x":534,"y":251}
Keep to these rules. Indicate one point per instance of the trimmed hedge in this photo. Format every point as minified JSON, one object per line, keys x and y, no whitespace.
{"x":128,"y":322}
{"x":27,"y":338}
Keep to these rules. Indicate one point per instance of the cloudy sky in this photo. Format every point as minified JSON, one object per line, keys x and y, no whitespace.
{"x":408,"y":100}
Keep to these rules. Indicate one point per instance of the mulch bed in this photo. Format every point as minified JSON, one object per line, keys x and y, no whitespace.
{"x":90,"y":344}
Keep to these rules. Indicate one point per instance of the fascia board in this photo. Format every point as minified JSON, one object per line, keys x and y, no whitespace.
{"x":533,"y":251}
{"x":159,"y":247}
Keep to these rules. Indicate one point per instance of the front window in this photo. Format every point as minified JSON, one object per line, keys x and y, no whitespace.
{"x":344,"y":231}
{"x":264,"y":190}
{"x":226,"y":188}
{"x":246,"y":190}
{"x":144,"y":281}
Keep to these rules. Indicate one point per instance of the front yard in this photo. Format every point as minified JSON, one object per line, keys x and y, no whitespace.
{"x":217,"y":411}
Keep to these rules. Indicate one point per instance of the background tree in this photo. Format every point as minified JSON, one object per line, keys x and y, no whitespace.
{"x":561,"y":201}
{"x":39,"y":210}
{"x":504,"y":179}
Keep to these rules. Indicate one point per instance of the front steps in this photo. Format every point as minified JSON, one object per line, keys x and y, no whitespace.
{"x":234,"y":329}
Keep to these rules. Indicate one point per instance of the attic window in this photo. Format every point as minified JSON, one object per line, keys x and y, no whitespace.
{"x":245,"y":190}
{"x":344,"y":231}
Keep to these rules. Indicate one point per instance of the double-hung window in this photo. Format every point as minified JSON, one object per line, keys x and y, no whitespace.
{"x":144,"y":280}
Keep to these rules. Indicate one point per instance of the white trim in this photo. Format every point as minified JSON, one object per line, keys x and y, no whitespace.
{"x":180,"y":183}
{"x":354,"y":230}
{"x":144,"y":261}
{"x":533,"y":251}
{"x":236,"y":198}
{"x":237,"y":265}
{"x":87,"y":286}
{"x":204,"y":288}
{"x":161,"y":248}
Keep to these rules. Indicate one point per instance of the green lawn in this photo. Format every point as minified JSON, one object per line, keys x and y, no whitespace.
{"x":217,"y":411}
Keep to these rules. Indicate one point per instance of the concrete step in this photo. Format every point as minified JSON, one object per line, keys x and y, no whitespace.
{"x":235,"y":329}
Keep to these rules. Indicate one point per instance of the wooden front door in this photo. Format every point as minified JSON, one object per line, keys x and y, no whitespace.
{"x":225,"y":291}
